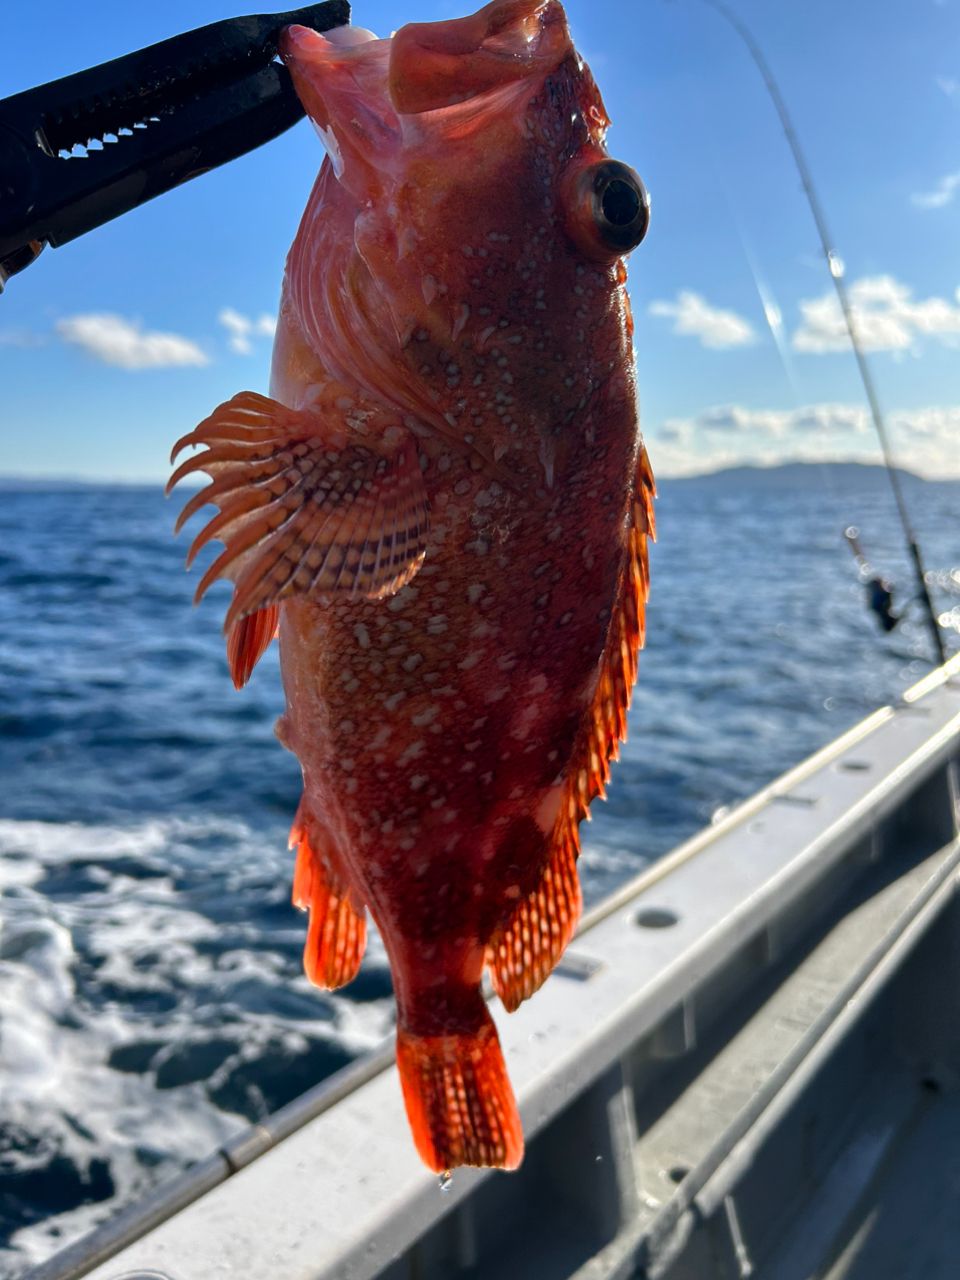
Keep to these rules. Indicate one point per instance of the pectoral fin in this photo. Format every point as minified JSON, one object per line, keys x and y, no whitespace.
{"x":316,"y":501}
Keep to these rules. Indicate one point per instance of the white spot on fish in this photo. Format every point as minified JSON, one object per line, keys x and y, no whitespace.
{"x":413,"y":752}
{"x":417,"y":781}
{"x":524,"y":721}
{"x":461,"y":318}
{"x":547,"y":457}
{"x":428,"y":287}
{"x":362,"y":636}
{"x":426,"y":716}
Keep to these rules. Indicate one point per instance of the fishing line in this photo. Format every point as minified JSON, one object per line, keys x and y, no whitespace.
{"x":836,"y":269}
{"x":878,"y":589}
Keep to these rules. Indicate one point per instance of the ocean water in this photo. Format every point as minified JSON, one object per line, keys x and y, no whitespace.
{"x":151,"y":998}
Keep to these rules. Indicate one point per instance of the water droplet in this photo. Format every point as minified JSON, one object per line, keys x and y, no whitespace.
{"x":446,"y":1178}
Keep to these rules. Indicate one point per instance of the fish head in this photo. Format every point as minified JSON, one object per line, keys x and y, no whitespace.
{"x":472,"y":179}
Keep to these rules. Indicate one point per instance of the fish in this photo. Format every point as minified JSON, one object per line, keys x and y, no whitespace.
{"x":443,"y":510}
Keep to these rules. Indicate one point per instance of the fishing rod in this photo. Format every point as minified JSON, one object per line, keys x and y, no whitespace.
{"x":835,"y":267}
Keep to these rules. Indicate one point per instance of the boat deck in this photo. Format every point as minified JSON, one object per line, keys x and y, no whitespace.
{"x":747,"y":1065}
{"x":908,"y":1220}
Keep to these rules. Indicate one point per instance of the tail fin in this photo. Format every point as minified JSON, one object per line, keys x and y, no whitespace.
{"x":459,"y":1100}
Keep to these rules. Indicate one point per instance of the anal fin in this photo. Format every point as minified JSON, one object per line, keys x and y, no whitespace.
{"x":524,"y":953}
{"x":337,"y":932}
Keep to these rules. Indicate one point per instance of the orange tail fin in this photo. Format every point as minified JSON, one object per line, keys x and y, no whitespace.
{"x":459,"y":1100}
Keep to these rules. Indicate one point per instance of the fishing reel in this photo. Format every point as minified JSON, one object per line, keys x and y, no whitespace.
{"x":879,"y":590}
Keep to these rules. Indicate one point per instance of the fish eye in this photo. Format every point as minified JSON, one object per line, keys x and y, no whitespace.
{"x":607,"y":209}
{"x":621,"y":205}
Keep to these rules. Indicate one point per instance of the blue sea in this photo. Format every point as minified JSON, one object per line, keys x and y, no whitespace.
{"x":151,"y":997}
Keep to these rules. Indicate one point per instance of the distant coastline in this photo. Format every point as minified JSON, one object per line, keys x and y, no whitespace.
{"x":788,"y":475}
{"x":750,"y":476}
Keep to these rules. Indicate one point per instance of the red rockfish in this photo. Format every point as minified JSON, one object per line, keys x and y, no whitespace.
{"x":443,"y":510}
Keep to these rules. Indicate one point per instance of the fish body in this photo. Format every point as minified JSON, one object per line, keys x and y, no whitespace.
{"x":444,"y":507}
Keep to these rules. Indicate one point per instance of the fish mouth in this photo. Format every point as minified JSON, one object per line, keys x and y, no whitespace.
{"x":338,"y":71}
{"x":425,"y":66}
{"x":440,"y":64}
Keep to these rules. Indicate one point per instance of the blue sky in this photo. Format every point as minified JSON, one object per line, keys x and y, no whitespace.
{"x":113,"y":346}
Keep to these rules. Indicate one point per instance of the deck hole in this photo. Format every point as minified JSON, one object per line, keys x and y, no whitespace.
{"x":801,"y":801}
{"x":930,"y":1084}
{"x":855,"y":766}
{"x":143,"y":1275}
{"x":677,"y":1173}
{"x":655,"y":918}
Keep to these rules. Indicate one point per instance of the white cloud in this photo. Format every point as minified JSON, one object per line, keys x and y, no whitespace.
{"x":118,"y":341}
{"x":693,"y":316}
{"x":886,"y":315}
{"x":949,"y":84}
{"x":242,"y":328}
{"x":924,"y":440}
{"x":941,"y":195}
{"x":737,"y":420}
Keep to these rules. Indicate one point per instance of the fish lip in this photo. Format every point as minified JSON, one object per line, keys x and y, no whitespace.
{"x":435,"y":65}
{"x":343,"y":84}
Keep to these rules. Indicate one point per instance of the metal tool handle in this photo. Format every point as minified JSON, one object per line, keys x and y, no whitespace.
{"x":159,"y":117}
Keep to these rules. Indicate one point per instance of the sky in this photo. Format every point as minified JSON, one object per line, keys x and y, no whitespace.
{"x":116,"y":344}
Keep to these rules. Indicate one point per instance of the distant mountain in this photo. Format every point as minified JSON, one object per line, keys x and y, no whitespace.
{"x":794,"y":475}
{"x":788,"y":475}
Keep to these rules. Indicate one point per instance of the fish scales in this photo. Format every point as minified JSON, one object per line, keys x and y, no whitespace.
{"x":443,"y":510}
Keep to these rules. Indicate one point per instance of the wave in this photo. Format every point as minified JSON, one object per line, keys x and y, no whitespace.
{"x":154,"y":1003}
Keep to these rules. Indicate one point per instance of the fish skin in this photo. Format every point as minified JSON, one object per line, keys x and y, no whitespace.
{"x":456,"y":688}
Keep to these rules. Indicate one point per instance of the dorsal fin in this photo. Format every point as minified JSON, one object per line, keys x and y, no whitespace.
{"x":525,"y":951}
